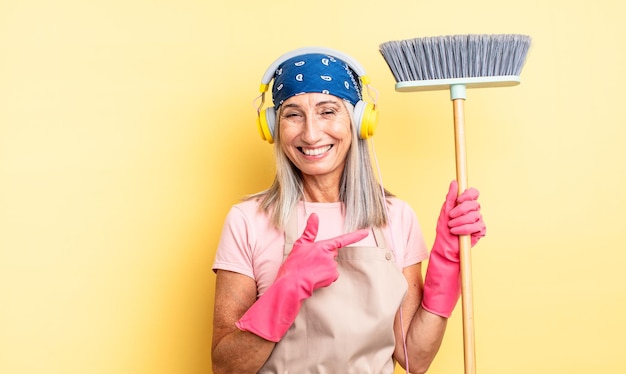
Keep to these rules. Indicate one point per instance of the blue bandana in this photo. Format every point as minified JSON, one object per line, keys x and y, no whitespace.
{"x":315,"y":73}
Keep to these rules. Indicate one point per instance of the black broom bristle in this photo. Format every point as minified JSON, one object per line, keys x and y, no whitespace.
{"x":456,"y":56}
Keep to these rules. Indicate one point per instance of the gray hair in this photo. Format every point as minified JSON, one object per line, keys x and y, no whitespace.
{"x":359,"y":190}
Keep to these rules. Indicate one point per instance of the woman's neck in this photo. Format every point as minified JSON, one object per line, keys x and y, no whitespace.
{"x":318,"y":191}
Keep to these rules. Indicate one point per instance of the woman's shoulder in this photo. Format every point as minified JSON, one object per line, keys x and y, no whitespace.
{"x":398,"y":203}
{"x":247,"y":205}
{"x":247,"y":216}
{"x":400,"y":208}
{"x":248,"y":209}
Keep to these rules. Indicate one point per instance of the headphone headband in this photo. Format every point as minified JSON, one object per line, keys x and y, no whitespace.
{"x":354,"y":65}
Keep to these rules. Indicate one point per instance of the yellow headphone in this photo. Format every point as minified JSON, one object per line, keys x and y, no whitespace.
{"x":365,"y":114}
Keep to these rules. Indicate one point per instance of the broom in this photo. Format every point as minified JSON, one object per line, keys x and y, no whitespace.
{"x":456,"y":62}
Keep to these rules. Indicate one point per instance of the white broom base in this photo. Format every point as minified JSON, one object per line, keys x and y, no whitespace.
{"x":471,"y":82}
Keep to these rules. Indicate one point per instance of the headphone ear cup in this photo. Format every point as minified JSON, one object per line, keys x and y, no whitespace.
{"x":366,"y":118}
{"x":266,"y":124}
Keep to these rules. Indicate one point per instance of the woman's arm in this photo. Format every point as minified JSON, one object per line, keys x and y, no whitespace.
{"x":233,"y":350}
{"x":423,"y":330}
{"x":433,"y":300}
{"x":310,"y":265}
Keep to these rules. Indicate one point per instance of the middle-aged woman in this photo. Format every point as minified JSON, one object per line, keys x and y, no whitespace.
{"x":321,"y":272}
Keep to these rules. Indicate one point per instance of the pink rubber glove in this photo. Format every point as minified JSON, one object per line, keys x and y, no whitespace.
{"x":459,"y":216}
{"x":309,"y":266}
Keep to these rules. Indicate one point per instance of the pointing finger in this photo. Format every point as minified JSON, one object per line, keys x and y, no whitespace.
{"x":341,"y":241}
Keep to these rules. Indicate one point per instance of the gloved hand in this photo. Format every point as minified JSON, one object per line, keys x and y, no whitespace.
{"x":309,"y":266}
{"x":458,"y":216}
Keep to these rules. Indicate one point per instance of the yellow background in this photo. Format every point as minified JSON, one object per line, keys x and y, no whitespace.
{"x":127,"y":131}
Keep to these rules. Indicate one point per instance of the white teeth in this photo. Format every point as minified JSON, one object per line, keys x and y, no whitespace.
{"x":315,"y":151}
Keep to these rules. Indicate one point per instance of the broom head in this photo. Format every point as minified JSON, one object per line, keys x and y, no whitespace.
{"x":432,"y":63}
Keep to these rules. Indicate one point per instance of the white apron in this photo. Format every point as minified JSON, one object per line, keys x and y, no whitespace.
{"x":346,"y":327}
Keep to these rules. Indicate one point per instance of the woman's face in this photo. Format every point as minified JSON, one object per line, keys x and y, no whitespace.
{"x":315,"y":133}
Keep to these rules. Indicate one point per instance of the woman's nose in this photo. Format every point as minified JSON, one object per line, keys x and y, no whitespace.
{"x":312,"y":131}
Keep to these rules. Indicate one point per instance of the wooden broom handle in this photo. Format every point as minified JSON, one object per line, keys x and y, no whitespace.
{"x":465,"y":243}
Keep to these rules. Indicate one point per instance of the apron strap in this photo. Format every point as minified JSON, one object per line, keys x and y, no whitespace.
{"x":291,"y":233}
{"x":379,"y":237}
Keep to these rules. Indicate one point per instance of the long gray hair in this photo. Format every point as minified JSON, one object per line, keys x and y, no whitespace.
{"x":359,"y":190}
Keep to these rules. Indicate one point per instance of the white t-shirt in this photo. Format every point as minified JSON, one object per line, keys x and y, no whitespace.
{"x":251,"y":246}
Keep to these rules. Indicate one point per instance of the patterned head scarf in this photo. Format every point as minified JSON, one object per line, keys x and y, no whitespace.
{"x":315,"y":72}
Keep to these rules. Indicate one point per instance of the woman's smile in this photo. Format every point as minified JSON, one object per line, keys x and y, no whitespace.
{"x":315,"y":151}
